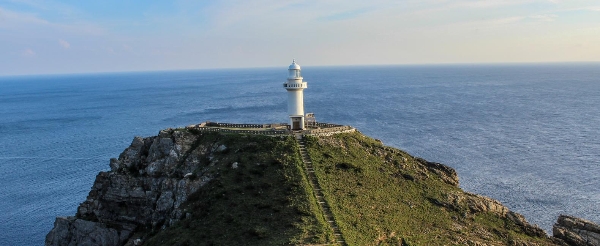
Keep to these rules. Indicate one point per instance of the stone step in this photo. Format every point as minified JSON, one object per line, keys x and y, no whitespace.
{"x":310,"y":171}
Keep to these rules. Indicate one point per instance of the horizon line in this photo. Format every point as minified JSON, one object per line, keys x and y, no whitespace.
{"x":310,"y":66}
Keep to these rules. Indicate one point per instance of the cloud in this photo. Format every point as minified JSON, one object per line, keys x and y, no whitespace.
{"x":64,"y":43}
{"x":487,"y":4}
{"x":596,"y":8}
{"x":344,"y":15}
{"x":507,"y":20}
{"x":544,"y":17}
{"x":28,"y":53}
{"x":31,"y":22}
{"x":9,"y":19}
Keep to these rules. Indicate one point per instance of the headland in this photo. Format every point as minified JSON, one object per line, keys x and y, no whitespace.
{"x":264,"y":184}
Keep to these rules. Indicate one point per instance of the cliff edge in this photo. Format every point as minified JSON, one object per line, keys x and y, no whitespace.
{"x":192,"y":187}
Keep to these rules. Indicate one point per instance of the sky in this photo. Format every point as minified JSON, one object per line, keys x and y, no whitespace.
{"x":74,"y":36}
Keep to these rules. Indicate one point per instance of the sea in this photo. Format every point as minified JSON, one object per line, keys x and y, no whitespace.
{"x":527,"y":135}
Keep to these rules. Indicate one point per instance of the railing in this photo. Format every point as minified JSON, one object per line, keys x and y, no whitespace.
{"x":319,"y":124}
{"x":254,"y":132}
{"x":325,"y":129}
{"x":295,"y":85}
{"x":329,"y":131}
{"x":234,"y":125}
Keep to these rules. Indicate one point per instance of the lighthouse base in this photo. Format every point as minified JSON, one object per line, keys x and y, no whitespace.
{"x":297,"y":122}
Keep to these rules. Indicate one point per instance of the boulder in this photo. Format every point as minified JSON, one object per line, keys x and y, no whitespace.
{"x":576,"y":231}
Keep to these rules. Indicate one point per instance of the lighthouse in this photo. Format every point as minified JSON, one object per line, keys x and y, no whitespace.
{"x":294,"y":87}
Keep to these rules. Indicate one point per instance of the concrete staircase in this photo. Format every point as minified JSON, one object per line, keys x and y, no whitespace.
{"x":312,"y":178}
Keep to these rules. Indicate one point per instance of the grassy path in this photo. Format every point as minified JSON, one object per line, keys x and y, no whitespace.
{"x":310,"y":172}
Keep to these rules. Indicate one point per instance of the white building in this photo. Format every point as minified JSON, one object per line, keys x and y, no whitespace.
{"x":295,"y":86}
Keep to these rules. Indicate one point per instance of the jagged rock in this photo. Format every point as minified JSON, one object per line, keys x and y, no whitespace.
{"x":114,"y":164}
{"x":221,"y":148}
{"x":447,"y":173}
{"x":133,"y":155}
{"x":475,"y":203}
{"x":576,"y":231}
{"x":481,"y":204}
{"x":161,"y":156}
{"x":144,"y":189}
{"x":531,"y":230}
{"x":73,"y":231}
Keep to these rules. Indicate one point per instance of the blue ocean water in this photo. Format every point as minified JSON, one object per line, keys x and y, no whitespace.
{"x":526,"y":135}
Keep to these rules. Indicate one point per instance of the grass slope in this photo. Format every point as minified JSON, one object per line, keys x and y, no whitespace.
{"x":266,"y":200}
{"x":383,"y":196}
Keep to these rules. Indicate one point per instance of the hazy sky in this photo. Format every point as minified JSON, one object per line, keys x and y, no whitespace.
{"x":74,"y":36}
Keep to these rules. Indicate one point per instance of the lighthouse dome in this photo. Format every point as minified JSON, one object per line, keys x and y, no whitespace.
{"x":294,"y":65}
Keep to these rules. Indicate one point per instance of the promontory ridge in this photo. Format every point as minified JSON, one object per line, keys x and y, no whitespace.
{"x":301,"y":182}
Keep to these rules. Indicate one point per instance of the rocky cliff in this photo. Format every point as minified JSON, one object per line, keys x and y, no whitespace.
{"x":143,"y":191}
{"x":187,"y":187}
{"x":227,"y":177}
{"x":576,"y":231}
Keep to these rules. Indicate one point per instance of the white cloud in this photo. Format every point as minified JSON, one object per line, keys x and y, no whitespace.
{"x":28,"y":53}
{"x":32,"y":23}
{"x":64,"y":43}
{"x":597,"y":8}
{"x":507,"y":20}
{"x":544,"y":17}
{"x":225,"y":33}
{"x":8,"y":19}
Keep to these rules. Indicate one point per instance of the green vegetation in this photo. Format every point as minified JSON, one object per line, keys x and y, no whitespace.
{"x":259,"y":195}
{"x":383,"y":196}
{"x":265,"y":200}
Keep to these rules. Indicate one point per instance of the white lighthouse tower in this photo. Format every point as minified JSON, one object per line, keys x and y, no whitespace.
{"x":294,"y":87}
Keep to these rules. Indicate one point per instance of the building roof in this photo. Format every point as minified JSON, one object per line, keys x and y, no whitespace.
{"x":294,"y":65}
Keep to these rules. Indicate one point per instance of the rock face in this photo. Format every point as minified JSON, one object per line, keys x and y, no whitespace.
{"x":576,"y":231}
{"x":447,"y":173}
{"x":73,"y":231}
{"x":478,"y":204}
{"x":145,"y":194}
{"x":143,"y":191}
